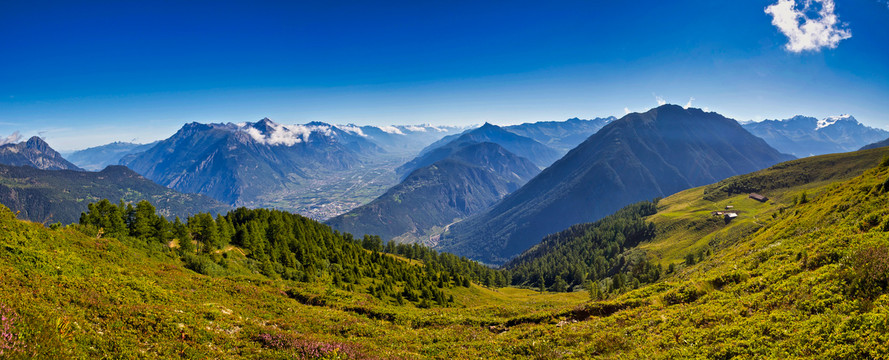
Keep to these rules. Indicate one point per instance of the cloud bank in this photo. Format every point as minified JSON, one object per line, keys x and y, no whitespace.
{"x":805,"y":33}
{"x":11,"y":139}
{"x":288,"y":135}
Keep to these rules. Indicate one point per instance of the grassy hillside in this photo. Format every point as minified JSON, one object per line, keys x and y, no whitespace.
{"x":793,"y":277}
{"x":68,"y":295}
{"x":811,"y":281}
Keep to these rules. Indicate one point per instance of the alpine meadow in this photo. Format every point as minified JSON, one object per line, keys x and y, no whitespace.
{"x":455,"y":180}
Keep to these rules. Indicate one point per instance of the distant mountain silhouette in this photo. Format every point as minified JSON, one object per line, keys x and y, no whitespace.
{"x":561,"y":135}
{"x":525,"y":147}
{"x":98,"y":157}
{"x":806,"y":136}
{"x":405,"y":140}
{"x":35,"y":153}
{"x":639,"y":157}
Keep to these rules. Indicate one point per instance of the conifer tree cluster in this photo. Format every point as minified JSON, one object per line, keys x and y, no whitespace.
{"x":591,"y":254}
{"x":287,"y":246}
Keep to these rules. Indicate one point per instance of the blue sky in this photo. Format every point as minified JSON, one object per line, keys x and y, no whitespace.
{"x":88,"y":73}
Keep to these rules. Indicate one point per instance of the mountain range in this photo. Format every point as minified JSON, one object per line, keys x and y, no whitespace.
{"x":806,"y":136}
{"x":98,"y":157}
{"x":48,"y":196}
{"x":470,"y":178}
{"x":35,"y":153}
{"x":403,"y":139}
{"x":638,"y":157}
{"x":525,"y":147}
{"x":561,"y":135}
{"x":237,"y":163}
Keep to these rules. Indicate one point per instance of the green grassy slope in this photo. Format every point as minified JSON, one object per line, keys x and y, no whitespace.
{"x":808,"y":279}
{"x":69,"y":295}
{"x":810,"y":282}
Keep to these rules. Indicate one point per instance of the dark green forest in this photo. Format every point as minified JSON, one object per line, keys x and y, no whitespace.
{"x":281,"y":245}
{"x":585,"y":254}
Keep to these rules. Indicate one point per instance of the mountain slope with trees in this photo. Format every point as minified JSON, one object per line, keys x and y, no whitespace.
{"x":643,"y":242}
{"x":467,"y":181}
{"x":639,"y":157}
{"x":49,"y":196}
{"x":801,"y":275}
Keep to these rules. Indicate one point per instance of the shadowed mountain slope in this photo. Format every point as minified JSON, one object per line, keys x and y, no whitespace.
{"x":469,"y":180}
{"x":639,"y":157}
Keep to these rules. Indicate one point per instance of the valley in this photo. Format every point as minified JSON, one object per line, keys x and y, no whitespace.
{"x":329,"y":194}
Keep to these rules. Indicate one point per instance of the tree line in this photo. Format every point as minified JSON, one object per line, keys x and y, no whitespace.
{"x":282,"y":245}
{"x":592,"y":255}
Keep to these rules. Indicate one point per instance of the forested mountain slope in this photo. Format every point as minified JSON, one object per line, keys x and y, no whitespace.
{"x":642,"y":242}
{"x":50,"y":196}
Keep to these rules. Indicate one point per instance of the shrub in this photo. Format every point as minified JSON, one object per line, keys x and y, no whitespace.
{"x":867,"y":273}
{"x":869,"y":221}
{"x":682,"y":295}
{"x":309,"y":349}
{"x":202,"y":265}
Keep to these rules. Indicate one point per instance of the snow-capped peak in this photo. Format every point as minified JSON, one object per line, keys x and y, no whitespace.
{"x":352,"y":129}
{"x":391,"y":130}
{"x":830,"y":120}
{"x":271,"y":133}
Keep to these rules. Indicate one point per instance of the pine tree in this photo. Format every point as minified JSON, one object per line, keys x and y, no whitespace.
{"x":559,"y":285}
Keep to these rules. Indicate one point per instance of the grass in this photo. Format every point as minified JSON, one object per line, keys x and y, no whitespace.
{"x":784,"y":280}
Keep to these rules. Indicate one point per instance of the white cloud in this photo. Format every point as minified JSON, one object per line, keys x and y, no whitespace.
{"x":626,"y":110}
{"x":660,"y":100}
{"x":352,"y":129}
{"x":11,"y":139}
{"x":806,"y":33}
{"x":415,"y":128}
{"x":288,"y":135}
{"x":391,"y":129}
{"x":688,"y":104}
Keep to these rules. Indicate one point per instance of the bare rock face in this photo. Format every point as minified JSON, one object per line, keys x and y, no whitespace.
{"x":34,"y":153}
